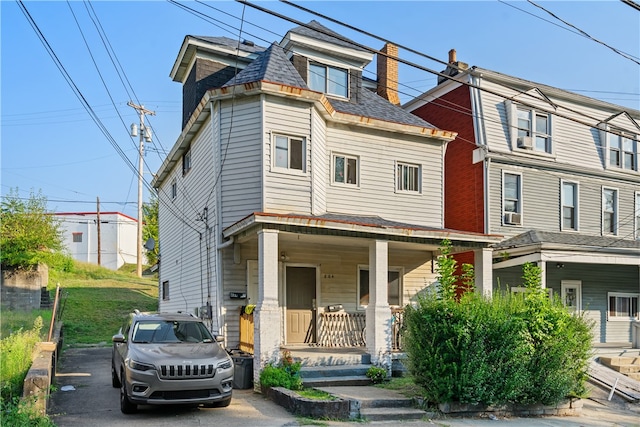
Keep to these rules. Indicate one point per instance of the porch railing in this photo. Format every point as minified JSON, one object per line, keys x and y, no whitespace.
{"x":397,"y":321}
{"x":341,"y":329}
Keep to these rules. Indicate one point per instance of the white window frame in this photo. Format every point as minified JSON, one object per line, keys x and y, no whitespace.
{"x":520,"y":204}
{"x":615,"y":212}
{"x":398,"y":270}
{"x":401,"y":185}
{"x":327,"y":79}
{"x":572,"y":284}
{"x":637,"y":214}
{"x":576,"y":201}
{"x":531,"y":130}
{"x":627,"y":144}
{"x":631,"y":296}
{"x":165,"y":290}
{"x":346,"y":169}
{"x":174,"y":189}
{"x":186,"y":162}
{"x":277,"y":137}
{"x":76,"y":237}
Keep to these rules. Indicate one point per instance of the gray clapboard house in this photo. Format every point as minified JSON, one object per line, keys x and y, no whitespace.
{"x":296,"y":188}
{"x":558,"y":175}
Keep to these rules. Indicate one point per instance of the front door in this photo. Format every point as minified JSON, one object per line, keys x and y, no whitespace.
{"x":571,"y":294}
{"x":301,"y":301}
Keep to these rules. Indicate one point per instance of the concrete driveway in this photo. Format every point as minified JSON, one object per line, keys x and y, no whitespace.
{"x":93,"y":402}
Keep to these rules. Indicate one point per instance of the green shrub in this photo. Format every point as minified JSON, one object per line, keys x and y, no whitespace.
{"x":285,"y":374}
{"x":507,"y":349}
{"x":376,"y":374}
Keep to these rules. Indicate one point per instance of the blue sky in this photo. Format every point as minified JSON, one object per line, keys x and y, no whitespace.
{"x":50,"y":144}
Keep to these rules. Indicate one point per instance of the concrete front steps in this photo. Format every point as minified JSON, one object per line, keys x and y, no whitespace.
{"x":629,"y":366}
{"x":378,"y":404}
{"x":335,"y":375}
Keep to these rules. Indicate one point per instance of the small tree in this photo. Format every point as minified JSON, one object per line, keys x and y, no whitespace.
{"x":150,"y":227}
{"x":29,"y":234}
{"x":446,"y":272}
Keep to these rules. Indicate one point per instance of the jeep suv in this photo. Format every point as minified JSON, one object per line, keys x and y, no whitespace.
{"x":164,"y":359}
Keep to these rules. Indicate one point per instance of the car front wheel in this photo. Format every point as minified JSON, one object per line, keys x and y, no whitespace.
{"x":126,"y":406}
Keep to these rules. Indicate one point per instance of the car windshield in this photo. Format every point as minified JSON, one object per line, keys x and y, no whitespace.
{"x":170,"y":331}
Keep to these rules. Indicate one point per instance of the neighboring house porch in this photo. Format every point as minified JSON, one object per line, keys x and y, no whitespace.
{"x":599,"y":276}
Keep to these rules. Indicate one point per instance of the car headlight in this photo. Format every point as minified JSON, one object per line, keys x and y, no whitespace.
{"x":224,"y":365}
{"x":139,"y":366}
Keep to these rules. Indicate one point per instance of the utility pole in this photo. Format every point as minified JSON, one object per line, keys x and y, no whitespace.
{"x":98,"y":224}
{"x":145,"y":134}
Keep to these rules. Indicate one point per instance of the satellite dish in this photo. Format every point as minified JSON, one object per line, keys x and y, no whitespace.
{"x":150,"y":244}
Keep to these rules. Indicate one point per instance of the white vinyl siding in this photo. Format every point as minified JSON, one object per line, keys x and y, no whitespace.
{"x":320,"y":170}
{"x":637,"y":215}
{"x":377,"y":195}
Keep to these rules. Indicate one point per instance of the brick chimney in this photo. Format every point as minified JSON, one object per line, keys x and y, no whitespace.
{"x":454,"y":66}
{"x":388,"y":74}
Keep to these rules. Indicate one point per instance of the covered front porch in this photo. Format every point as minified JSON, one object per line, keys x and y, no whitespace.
{"x":335,"y":283}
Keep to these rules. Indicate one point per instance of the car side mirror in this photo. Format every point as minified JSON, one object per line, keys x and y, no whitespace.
{"x":118,"y":338}
{"x":219,"y":338}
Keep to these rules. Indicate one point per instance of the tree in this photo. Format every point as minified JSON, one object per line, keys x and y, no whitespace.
{"x":28,"y":233}
{"x":150,"y":228}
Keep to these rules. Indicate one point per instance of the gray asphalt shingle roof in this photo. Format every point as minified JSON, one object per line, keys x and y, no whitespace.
{"x":534,"y":237}
{"x":272,"y":65}
{"x":231,"y":43}
{"x":320,"y":32}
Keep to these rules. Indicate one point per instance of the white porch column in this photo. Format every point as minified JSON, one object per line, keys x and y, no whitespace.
{"x":267,"y":317}
{"x":543,"y":274}
{"x":378,"y":311}
{"x":484,"y":271}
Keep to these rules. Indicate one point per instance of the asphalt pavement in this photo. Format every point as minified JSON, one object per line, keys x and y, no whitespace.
{"x":83,"y":396}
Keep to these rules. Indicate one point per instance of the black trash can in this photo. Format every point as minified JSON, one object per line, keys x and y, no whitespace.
{"x":243,"y":369}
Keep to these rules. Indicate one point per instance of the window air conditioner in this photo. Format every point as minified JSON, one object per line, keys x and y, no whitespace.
{"x":513,"y":218}
{"x":525,"y":142}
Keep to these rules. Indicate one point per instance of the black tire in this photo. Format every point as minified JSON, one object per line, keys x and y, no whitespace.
{"x":220,"y":404}
{"x":126,"y":406}
{"x":115,"y":381}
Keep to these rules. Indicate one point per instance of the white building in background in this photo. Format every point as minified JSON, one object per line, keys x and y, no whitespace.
{"x":118,"y":236}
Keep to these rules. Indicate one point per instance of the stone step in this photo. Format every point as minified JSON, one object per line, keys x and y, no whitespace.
{"x":333,"y":371}
{"x":344,"y":380}
{"x":620,"y":360}
{"x":392,"y":414}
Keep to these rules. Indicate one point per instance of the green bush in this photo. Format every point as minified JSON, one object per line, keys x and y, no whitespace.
{"x":507,"y":349}
{"x":285,"y":374}
{"x":376,"y":374}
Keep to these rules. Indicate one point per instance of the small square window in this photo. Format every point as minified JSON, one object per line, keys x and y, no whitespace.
{"x":329,"y":80}
{"x":77,"y":237}
{"x":345,"y":169}
{"x":165,"y":290}
{"x":289,"y":153}
{"x":408,"y":177}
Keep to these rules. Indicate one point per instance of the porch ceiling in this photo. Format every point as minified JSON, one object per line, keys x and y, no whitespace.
{"x":355,"y":231}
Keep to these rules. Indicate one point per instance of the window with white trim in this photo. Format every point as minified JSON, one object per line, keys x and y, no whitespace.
{"x":637,"y":215}
{"x":165,"y":290}
{"x":408,"y":177}
{"x":512,"y":198}
{"x":394,"y":286}
{"x":623,"y":151}
{"x":622,"y":306}
{"x":609,"y":211}
{"x":77,"y":237}
{"x":289,"y":152}
{"x":569,"y":206}
{"x":329,"y":80}
{"x":174,"y":189}
{"x":186,"y":162}
{"x":533,"y":130}
{"x":345,"y":169}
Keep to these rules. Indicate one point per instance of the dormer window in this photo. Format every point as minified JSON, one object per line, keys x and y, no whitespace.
{"x":622,"y":152}
{"x":534,"y":130}
{"x":329,"y":80}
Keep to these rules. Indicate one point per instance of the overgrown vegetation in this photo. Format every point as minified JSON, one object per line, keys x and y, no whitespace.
{"x":512,"y":348}
{"x":376,"y":374}
{"x":29,"y":235}
{"x":150,"y":227}
{"x":284,"y":374}
{"x":15,"y":360}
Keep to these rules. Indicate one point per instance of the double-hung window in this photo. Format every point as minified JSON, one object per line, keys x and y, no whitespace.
{"x":394,"y":287}
{"x":512,"y":198}
{"x":609,"y":211}
{"x":289,"y":152}
{"x":637,"y":215}
{"x":345,"y":169}
{"x":623,"y":151}
{"x":174,"y":189}
{"x":533,"y":130}
{"x":622,"y":306}
{"x":186,"y":162}
{"x":408,"y":177}
{"x":569,"y":206}
{"x":329,"y":80}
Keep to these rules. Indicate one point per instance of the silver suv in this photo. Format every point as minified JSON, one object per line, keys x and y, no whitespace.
{"x":164,"y":359}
